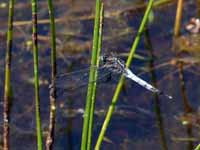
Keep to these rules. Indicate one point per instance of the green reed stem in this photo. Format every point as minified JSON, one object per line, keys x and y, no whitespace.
{"x":161,"y":2}
{"x":89,"y":143}
{"x":198,"y":147}
{"x":91,"y":85}
{"x":36,"y":81}
{"x":179,"y":12}
{"x":7,"y":86}
{"x":52,"y":92}
{"x":119,"y":86}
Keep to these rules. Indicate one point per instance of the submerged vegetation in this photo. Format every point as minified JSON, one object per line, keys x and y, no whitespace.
{"x":86,"y":108}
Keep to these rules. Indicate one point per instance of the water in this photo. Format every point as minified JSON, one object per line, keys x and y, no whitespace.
{"x":130,"y":131}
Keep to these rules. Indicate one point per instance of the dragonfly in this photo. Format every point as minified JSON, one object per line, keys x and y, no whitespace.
{"x":109,"y":64}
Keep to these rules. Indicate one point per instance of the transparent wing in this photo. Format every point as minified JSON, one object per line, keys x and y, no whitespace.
{"x":66,"y":79}
{"x":74,"y":80}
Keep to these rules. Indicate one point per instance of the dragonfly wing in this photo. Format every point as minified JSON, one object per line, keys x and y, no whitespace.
{"x":73,"y":78}
{"x":78,"y":79}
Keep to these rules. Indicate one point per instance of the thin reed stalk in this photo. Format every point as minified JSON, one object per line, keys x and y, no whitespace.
{"x":186,"y":104}
{"x":198,"y":8}
{"x":120,"y":84}
{"x":7,"y":86}
{"x":187,"y":107}
{"x":179,"y":12}
{"x":36,"y":77}
{"x":52,"y":92}
{"x":198,"y":14}
{"x":159,"y":118}
{"x":89,"y":144}
{"x":92,"y":76}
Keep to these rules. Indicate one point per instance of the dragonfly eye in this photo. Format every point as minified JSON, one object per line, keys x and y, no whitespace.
{"x":103,"y":59}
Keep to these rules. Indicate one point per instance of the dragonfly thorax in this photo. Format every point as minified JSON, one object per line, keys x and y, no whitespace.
{"x":113,"y":64}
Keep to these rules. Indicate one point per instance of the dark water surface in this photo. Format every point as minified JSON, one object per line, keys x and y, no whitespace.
{"x":134,"y":125}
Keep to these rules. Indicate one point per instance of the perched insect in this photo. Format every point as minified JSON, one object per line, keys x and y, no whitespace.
{"x":108,"y":65}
